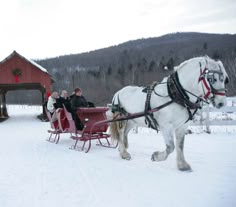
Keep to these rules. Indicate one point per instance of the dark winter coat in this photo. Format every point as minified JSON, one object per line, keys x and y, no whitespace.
{"x":77,"y":102}
{"x":61,"y":101}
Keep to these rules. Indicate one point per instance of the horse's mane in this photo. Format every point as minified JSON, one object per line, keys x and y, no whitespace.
{"x":176,"y":68}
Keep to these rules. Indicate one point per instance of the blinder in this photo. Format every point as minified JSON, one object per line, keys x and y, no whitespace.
{"x":212,"y":76}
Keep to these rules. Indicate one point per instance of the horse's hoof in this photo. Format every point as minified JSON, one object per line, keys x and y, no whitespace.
{"x":154,"y":156}
{"x":185,"y":168}
{"x":126,"y":156}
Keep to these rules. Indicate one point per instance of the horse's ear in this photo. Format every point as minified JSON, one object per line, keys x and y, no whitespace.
{"x":207,"y":59}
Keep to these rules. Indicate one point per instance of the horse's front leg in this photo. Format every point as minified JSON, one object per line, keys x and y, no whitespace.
{"x":169,"y":141}
{"x":180,"y":136}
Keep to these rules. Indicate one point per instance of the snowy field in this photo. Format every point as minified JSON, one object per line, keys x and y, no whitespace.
{"x":36,"y":173}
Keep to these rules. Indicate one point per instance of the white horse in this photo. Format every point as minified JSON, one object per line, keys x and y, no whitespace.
{"x":194,"y":81}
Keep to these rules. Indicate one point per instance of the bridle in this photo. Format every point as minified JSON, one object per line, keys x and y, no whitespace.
{"x":208,"y":78}
{"x":181,"y":96}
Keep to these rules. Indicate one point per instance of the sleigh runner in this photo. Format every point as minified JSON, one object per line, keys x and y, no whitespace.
{"x":56,"y":126}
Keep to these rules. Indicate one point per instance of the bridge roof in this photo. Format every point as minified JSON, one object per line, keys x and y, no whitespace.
{"x":28,"y":60}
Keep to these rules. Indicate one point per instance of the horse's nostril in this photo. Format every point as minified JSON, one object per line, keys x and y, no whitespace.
{"x":220,"y":105}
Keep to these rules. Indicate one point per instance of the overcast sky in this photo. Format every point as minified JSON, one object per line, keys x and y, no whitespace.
{"x":40,"y":29}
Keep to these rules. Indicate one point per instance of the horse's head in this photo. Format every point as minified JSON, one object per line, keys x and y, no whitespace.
{"x":214,"y":79}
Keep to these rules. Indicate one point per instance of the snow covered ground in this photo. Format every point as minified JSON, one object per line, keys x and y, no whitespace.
{"x":36,"y":173}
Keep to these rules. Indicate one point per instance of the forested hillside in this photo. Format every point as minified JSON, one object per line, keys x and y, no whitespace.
{"x":101,"y":73}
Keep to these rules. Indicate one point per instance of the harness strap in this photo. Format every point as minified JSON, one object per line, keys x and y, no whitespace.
{"x":205,"y":84}
{"x":149,"y":118}
{"x":128,"y":116}
{"x":208,"y":86}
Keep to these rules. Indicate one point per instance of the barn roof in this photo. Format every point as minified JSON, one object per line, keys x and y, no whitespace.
{"x":28,"y":60}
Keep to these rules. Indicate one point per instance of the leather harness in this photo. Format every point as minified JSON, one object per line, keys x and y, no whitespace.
{"x":177,"y":94}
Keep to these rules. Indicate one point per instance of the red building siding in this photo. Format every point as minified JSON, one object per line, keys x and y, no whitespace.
{"x":30,"y":73}
{"x":33,"y":76}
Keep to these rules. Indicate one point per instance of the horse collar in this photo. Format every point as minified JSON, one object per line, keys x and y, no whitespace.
{"x":178,"y":94}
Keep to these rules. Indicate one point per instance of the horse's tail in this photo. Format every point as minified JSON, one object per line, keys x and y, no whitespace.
{"x":115,"y":135}
{"x":117,"y":127}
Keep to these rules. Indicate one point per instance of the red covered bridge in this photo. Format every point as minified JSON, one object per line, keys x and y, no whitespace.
{"x":19,"y":73}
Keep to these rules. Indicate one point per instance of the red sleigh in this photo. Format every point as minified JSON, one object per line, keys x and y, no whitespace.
{"x":95,"y":128}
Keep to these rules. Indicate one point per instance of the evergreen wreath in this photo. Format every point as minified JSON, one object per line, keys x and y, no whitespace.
{"x":16,"y":72}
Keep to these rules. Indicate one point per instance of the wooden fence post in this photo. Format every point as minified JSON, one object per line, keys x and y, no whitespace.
{"x":208,"y":119}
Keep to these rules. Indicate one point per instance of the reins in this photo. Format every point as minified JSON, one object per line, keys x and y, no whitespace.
{"x":200,"y":98}
{"x":128,"y":116}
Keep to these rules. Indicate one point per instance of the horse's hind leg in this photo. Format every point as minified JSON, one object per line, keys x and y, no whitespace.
{"x":169,"y":141}
{"x":181,"y":163}
{"x":123,"y":140}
